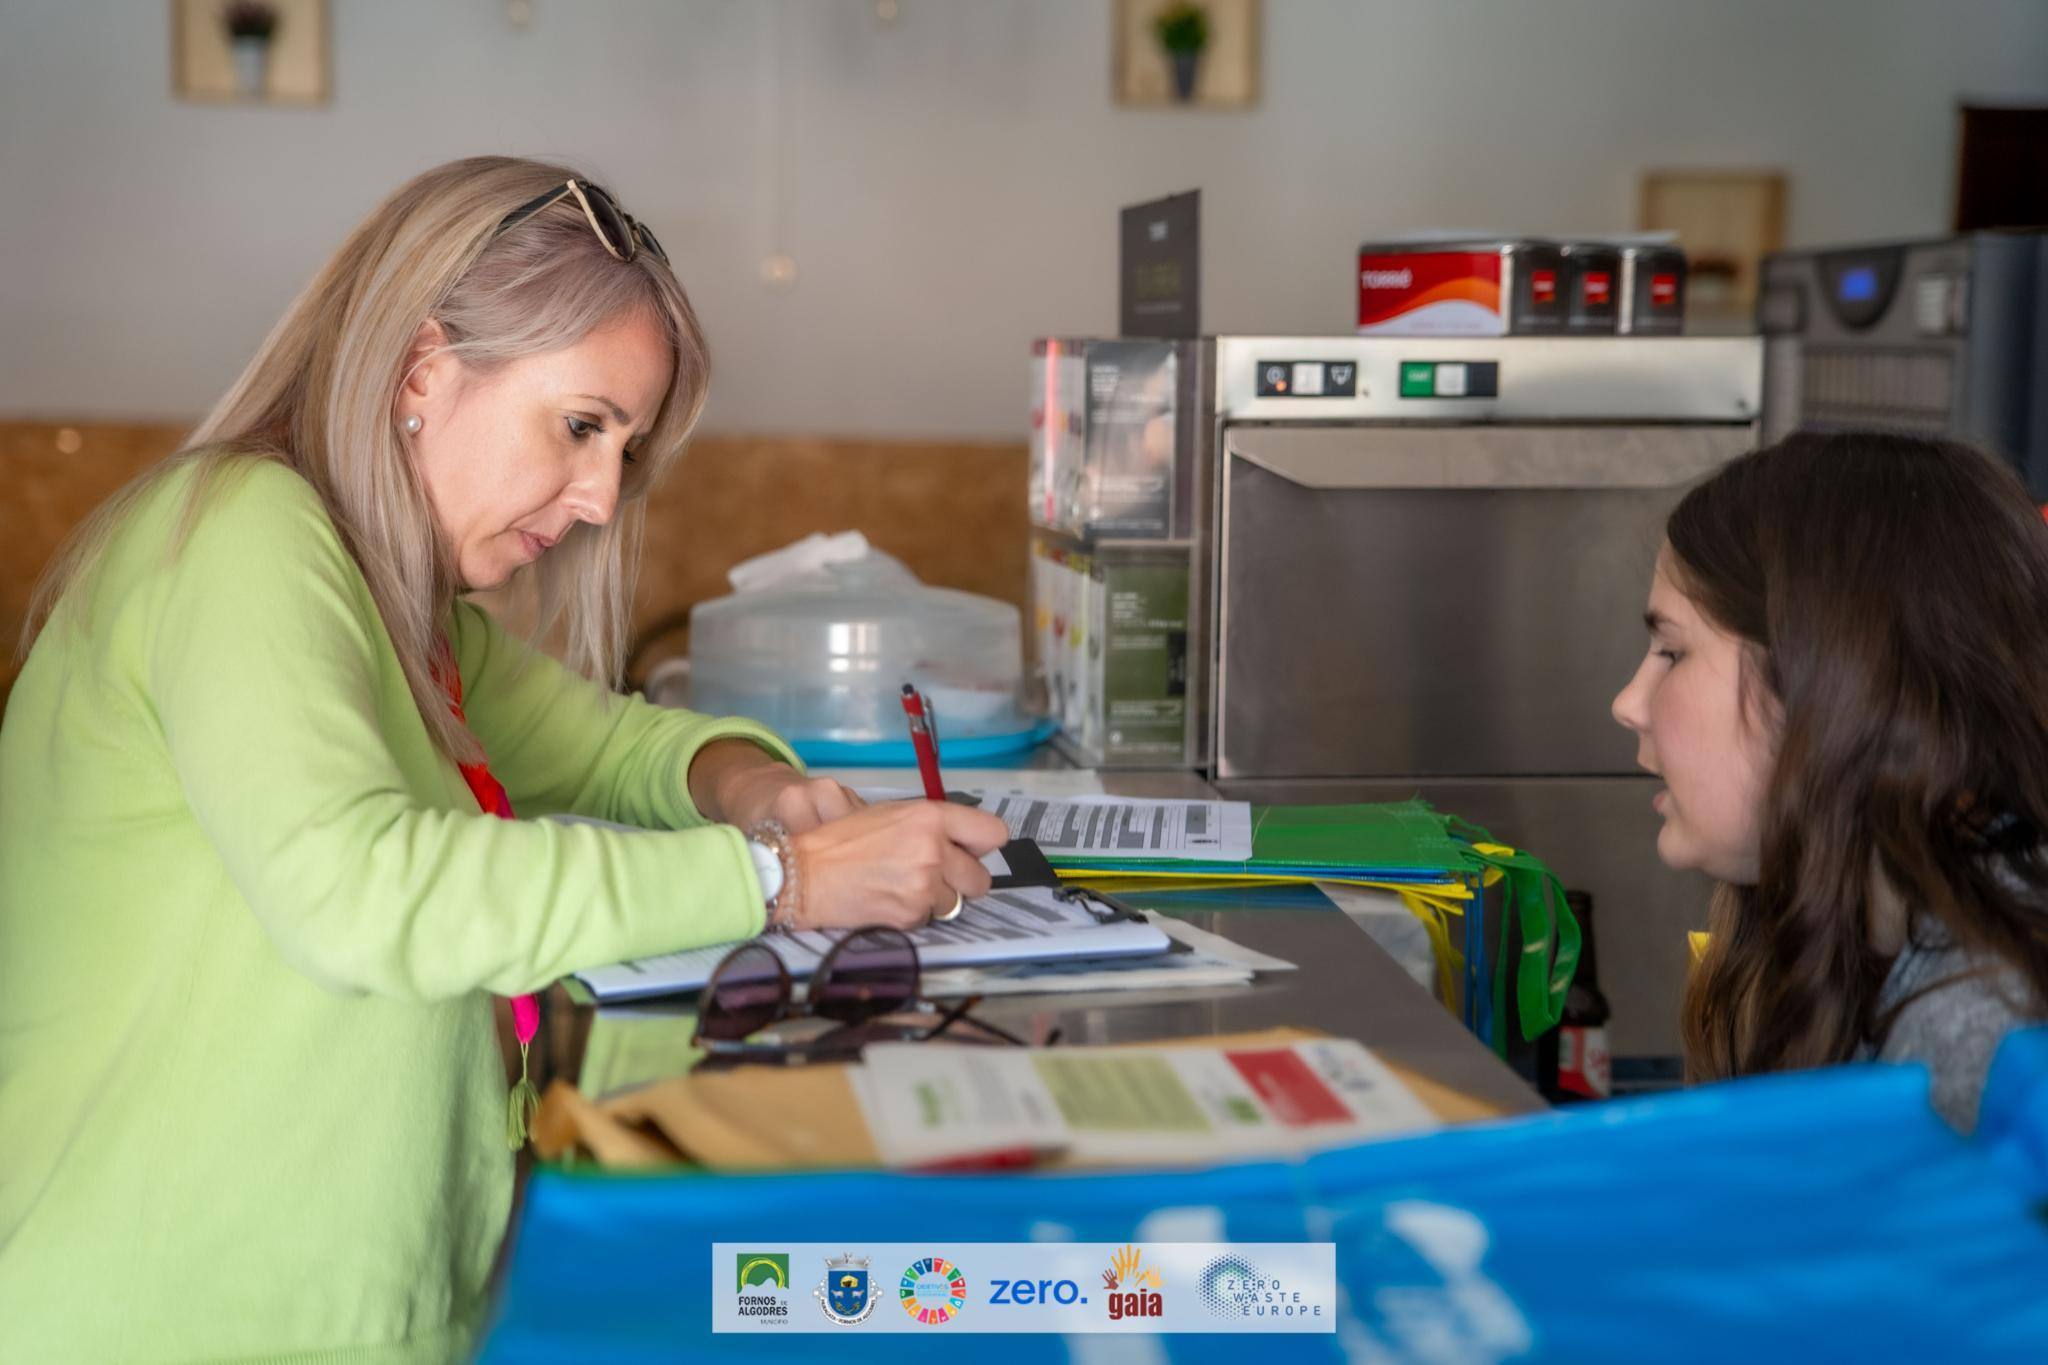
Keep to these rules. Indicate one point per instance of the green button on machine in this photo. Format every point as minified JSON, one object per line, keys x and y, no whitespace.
{"x":1418,"y":379}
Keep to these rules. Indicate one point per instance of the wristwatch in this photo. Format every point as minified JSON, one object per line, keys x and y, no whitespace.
{"x":768,"y":869}
{"x":776,"y":868}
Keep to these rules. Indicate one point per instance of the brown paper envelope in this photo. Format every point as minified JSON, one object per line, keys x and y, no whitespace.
{"x":760,"y":1118}
{"x":566,"y":1119}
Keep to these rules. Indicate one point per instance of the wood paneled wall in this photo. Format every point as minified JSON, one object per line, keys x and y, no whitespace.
{"x":955,"y":513}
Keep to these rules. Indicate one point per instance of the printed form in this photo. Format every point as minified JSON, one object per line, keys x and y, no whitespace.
{"x":1025,"y":924}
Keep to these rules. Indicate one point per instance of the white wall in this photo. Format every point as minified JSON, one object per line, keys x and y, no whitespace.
{"x":951,"y":180}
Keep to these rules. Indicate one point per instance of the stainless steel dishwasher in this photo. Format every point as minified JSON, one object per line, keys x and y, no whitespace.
{"x":1427,"y":565}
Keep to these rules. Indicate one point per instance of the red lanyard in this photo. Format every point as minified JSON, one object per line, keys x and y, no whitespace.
{"x":491,"y":799}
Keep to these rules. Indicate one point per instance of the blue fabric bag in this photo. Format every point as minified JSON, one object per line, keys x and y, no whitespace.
{"x":1822,"y":1216}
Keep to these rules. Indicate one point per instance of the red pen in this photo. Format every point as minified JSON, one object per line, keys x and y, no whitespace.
{"x":921,"y":740}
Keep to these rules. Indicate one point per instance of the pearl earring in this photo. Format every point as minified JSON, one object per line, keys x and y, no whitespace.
{"x":412,"y":425}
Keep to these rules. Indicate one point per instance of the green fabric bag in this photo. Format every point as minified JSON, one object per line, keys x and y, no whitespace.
{"x":1411,"y":840}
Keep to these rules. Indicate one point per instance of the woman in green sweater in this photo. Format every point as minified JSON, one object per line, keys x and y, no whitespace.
{"x":255,"y":893}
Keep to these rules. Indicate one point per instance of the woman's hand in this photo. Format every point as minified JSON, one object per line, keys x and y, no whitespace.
{"x":737,"y":783}
{"x":899,"y":864}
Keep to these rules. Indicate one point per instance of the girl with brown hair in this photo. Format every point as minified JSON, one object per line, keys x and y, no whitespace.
{"x":1846,"y":691}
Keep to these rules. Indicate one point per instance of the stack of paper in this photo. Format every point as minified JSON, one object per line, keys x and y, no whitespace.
{"x":1025,"y":924}
{"x":1196,"y":957}
{"x":1086,"y":825}
{"x":1105,"y":839}
{"x":1394,"y":843}
{"x":1116,"y":828}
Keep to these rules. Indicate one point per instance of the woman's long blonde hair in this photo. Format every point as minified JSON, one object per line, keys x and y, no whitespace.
{"x":320,"y":394}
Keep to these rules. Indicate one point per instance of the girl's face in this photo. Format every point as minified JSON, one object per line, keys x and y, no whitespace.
{"x":514,"y":458}
{"x":1685,"y":706}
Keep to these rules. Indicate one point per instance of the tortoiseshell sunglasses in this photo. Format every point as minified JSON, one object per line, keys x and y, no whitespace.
{"x":620,"y":232}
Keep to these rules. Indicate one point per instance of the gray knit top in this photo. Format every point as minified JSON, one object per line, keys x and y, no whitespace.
{"x":1968,"y":1006}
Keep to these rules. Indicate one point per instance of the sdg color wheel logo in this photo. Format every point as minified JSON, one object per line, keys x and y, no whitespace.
{"x":932,"y":1290}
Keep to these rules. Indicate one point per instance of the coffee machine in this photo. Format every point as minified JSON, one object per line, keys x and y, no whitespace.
{"x":1942,"y":337}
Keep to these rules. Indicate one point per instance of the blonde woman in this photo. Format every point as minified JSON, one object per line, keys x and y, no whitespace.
{"x":255,"y":890}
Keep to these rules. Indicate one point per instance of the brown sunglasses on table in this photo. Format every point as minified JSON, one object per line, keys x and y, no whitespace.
{"x":621,"y":233}
{"x":866,"y":977}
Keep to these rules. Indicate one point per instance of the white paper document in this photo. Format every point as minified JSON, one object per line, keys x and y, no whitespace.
{"x":1198,"y":958}
{"x":1123,"y":828}
{"x":1111,"y":827}
{"x":929,"y":1102}
{"x":1024,"y":924}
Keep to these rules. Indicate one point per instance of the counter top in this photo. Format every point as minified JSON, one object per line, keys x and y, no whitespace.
{"x":1344,"y":984}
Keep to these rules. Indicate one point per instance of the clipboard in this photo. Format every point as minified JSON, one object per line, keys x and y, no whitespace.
{"x":1027,"y":866}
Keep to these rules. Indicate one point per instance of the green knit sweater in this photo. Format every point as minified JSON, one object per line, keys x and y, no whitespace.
{"x":251,"y":1101}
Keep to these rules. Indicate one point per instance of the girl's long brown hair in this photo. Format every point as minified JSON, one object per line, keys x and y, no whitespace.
{"x":1895,"y":593}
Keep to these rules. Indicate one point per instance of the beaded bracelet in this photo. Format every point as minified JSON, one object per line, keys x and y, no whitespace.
{"x":783,"y":906}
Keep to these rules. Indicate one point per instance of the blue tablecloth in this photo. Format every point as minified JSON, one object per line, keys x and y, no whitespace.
{"x":1824,"y":1216}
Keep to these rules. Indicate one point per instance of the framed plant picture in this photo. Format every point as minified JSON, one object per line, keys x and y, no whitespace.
{"x":1201,"y":54}
{"x":250,"y":51}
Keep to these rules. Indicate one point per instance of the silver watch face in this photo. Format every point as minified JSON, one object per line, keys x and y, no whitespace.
{"x":768,"y":870}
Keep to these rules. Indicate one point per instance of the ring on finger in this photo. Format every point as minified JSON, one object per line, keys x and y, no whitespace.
{"x":953,"y":914}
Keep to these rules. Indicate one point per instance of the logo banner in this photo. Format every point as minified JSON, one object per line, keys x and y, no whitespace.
{"x":1062,"y":1287}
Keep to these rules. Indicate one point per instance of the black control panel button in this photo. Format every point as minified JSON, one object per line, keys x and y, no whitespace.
{"x":1308,"y":379}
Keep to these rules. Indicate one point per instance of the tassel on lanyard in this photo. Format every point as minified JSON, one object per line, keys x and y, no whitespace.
{"x":524,"y":1100}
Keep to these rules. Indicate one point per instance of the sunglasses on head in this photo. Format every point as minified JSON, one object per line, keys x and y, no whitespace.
{"x":621,"y":233}
{"x":869,"y":974}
